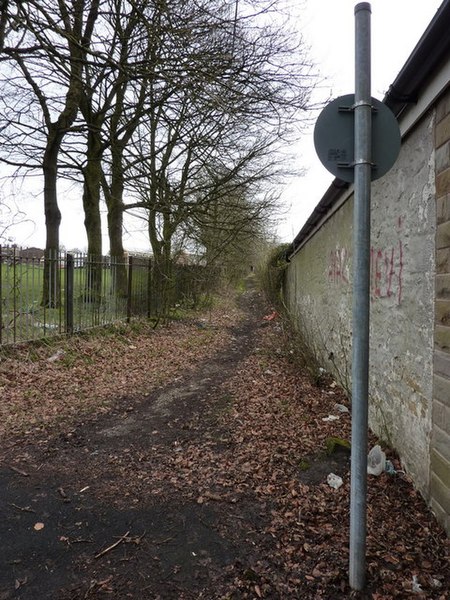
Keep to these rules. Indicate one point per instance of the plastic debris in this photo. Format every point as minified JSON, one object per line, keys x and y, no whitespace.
{"x":341,"y":408}
{"x":330,"y":418}
{"x":389,"y":468}
{"x":50,"y":326}
{"x":271,"y":317}
{"x":416,"y":587}
{"x":59,"y":354}
{"x":376,"y":461}
{"x":334,"y":481}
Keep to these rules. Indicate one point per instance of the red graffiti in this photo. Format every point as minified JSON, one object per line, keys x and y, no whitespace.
{"x":400,"y":272}
{"x":338,"y":267}
{"x":378,"y":272}
{"x":386,"y":270}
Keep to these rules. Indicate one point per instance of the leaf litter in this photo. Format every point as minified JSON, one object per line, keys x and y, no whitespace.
{"x":242,"y":457}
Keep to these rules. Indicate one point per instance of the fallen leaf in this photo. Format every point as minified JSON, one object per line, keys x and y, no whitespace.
{"x":20,"y":582}
{"x":211,"y":496}
{"x":248,"y":455}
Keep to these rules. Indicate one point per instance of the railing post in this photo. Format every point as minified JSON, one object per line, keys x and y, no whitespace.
{"x":1,"y":295}
{"x":14,"y":296}
{"x":149,"y":289}
{"x":69,"y":293}
{"x":130,"y":283}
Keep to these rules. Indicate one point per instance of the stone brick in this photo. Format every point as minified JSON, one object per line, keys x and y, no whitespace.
{"x":442,"y":131}
{"x":443,"y":234}
{"x":442,"y":312}
{"x":442,"y":337}
{"x":441,"y":417}
{"x":441,"y":516}
{"x":443,"y":107}
{"x":440,"y":466}
{"x":441,"y":389}
{"x":441,"y":363}
{"x":439,"y":440}
{"x":442,"y":157}
{"x":440,"y":493}
{"x":443,"y":209}
{"x":442,"y":286}
{"x":443,"y":260}
{"x":443,"y":183}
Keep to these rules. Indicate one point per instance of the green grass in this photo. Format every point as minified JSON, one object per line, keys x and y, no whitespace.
{"x":23,"y":317}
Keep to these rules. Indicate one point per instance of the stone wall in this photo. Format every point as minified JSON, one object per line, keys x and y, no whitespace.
{"x":318,"y":291}
{"x":440,"y":441}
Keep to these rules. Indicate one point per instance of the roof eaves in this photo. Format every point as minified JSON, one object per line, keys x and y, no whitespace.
{"x":424,"y":59}
{"x":422,"y":62}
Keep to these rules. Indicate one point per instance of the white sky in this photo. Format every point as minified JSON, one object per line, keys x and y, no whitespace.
{"x":328,"y":28}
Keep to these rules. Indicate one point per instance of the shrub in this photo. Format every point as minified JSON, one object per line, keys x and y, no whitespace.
{"x":272,"y":275}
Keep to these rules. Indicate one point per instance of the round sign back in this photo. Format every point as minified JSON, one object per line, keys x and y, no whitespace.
{"x":334,"y":135}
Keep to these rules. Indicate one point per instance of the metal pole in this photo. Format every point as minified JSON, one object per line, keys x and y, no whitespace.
{"x":1,"y":294}
{"x":129,"y":288}
{"x":361,"y":296}
{"x":69,"y":293}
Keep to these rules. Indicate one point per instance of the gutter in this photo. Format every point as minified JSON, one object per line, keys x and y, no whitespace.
{"x":422,"y":62}
{"x":328,"y":200}
{"x":429,"y":52}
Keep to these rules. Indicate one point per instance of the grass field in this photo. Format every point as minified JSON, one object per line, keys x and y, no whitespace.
{"x":24,"y":317}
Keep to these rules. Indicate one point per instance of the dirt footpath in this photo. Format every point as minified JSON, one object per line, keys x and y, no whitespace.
{"x":211,"y":486}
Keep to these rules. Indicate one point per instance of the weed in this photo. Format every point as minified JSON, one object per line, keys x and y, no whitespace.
{"x":304,"y":465}
{"x":301,"y":347}
{"x":382,"y":420}
{"x":272,"y":276}
{"x":241,"y":287}
{"x":336,"y":444}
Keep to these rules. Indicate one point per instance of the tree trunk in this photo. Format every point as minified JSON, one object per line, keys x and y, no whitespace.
{"x":162,"y":281}
{"x":92,"y":221}
{"x":114,"y":202}
{"x":163,"y":284}
{"x":51,"y":287}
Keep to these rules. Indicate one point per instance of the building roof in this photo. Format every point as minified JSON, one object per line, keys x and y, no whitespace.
{"x":432,"y":48}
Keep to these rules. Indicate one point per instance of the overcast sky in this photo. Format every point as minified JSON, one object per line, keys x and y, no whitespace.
{"x":328,"y":28}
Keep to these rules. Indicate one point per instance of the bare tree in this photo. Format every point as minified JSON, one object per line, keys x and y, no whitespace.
{"x":11,"y":217}
{"x":45,"y":50}
{"x":4,"y":7}
{"x":219,"y":108}
{"x":113,"y":104}
{"x":180,"y":106}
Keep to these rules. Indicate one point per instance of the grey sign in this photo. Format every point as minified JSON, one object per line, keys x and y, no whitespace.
{"x":334,"y":138}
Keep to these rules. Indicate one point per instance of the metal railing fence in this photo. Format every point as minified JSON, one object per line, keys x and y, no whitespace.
{"x":46,"y":295}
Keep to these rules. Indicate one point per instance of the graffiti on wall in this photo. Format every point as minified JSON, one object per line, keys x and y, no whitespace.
{"x":339,"y":266}
{"x":386,"y":269}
